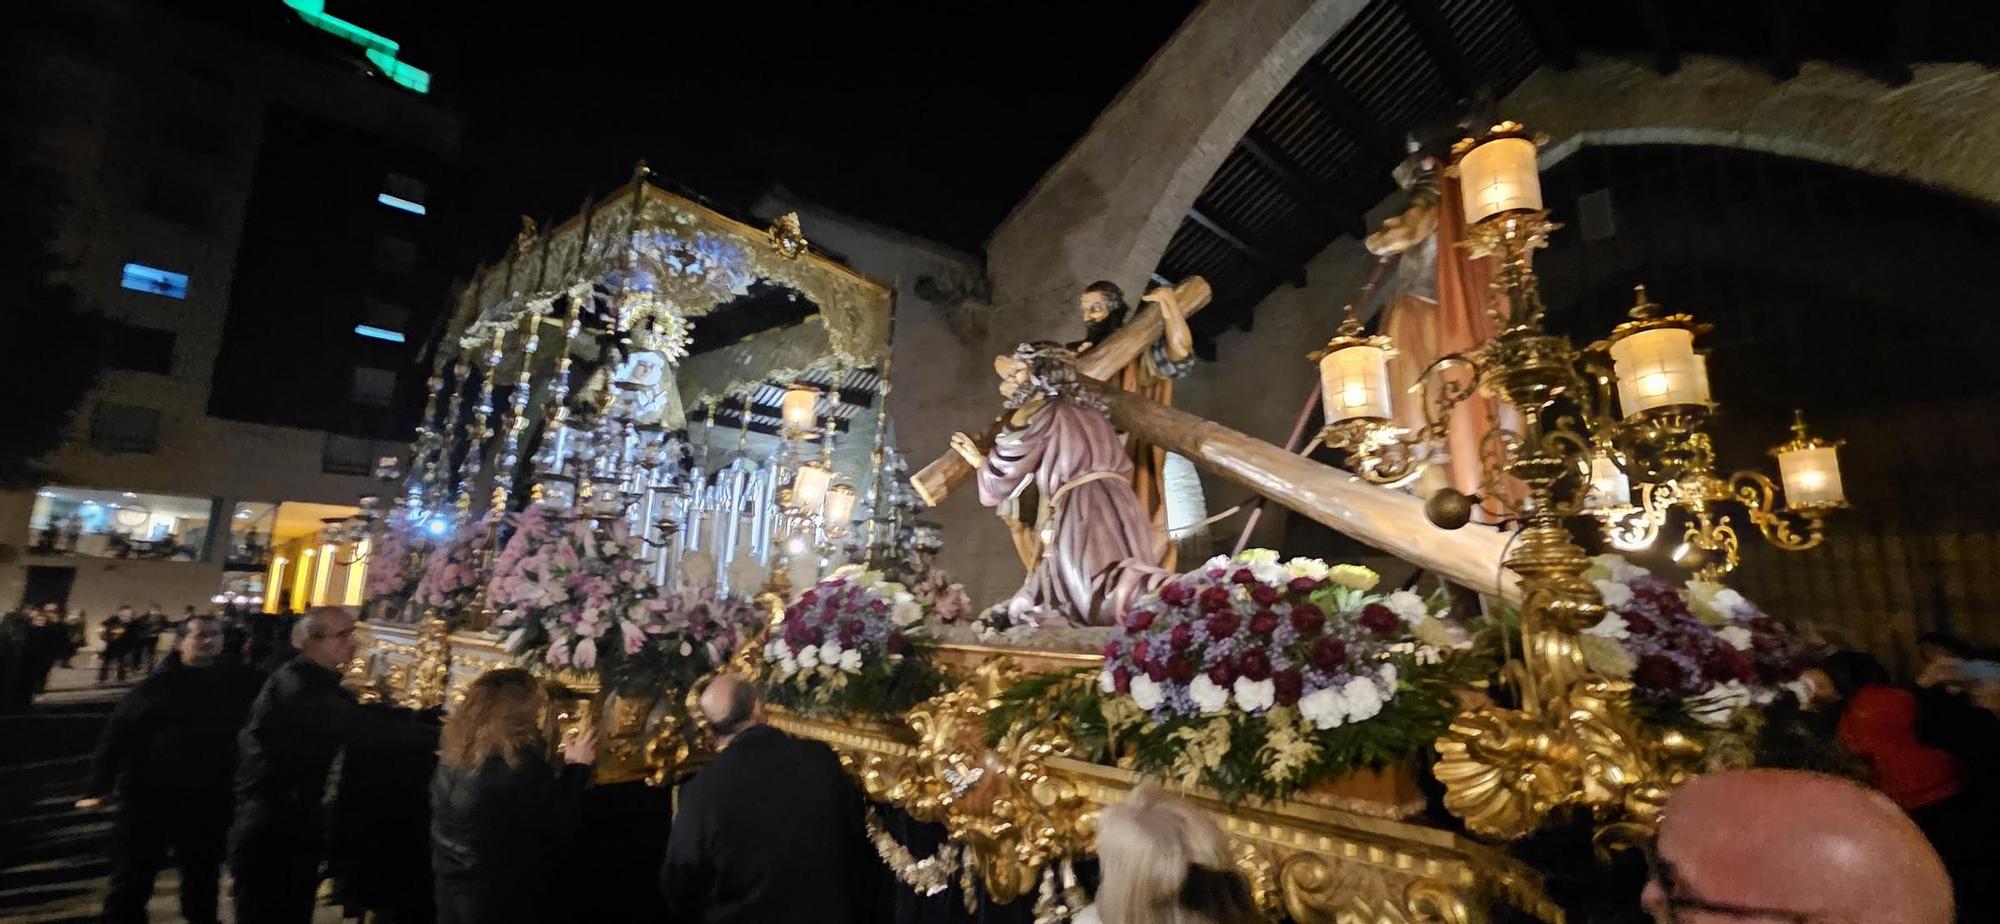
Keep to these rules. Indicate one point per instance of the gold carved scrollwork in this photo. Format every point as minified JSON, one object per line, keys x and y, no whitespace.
{"x":1000,"y":801}
{"x":430,"y":671}
{"x":1505,"y":771}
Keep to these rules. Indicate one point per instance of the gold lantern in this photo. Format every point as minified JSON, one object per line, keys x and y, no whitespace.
{"x":1610,"y":487}
{"x":1654,"y":361}
{"x":1809,"y":467}
{"x":1354,"y":377}
{"x":809,"y":487}
{"x":1497,"y":174}
{"x":839,"y":506}
{"x":800,"y":410}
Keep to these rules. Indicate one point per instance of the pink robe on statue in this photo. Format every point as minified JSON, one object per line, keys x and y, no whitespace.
{"x":1098,"y":559}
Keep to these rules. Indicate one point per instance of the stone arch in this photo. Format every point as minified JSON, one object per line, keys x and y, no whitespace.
{"x":1938,"y":130}
{"x":1109,"y":207}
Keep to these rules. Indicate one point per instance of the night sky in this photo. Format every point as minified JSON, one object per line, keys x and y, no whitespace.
{"x":933,"y":118}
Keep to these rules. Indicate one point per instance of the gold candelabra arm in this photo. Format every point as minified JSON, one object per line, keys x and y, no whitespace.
{"x":1788,"y":530}
{"x":1638,"y":527}
{"x":1709,"y":545}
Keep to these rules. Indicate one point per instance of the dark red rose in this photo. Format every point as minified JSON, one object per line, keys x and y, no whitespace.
{"x":1380,"y":619}
{"x":1140,"y":649}
{"x":1111,"y":649}
{"x":1175,"y":593}
{"x":1138,"y":620}
{"x":808,"y":598}
{"x":1289,"y":685}
{"x":1639,"y":625}
{"x":877,"y":607}
{"x":1222,"y":625}
{"x":1307,"y":618}
{"x":815,"y":634}
{"x":1222,"y":673}
{"x":1243,"y":576}
{"x":1264,"y":623}
{"x":1121,"y":680}
{"x":849,"y":631}
{"x":1180,"y":668}
{"x":826,"y":618}
{"x":1303,"y":585}
{"x":1214,"y":574}
{"x":1215,"y":598}
{"x":1264,"y":594}
{"x":1657,"y":672}
{"x":1182,"y":637}
{"x":1254,"y":664}
{"x":1157,"y":671}
{"x":1327,"y":653}
{"x":897,"y":644}
{"x":1729,"y":664}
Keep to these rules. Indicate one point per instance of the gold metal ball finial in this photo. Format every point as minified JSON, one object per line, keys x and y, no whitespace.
{"x":1449,"y":508}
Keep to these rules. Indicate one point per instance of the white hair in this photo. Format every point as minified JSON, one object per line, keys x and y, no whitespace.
{"x":315,"y":620}
{"x":1145,"y":848}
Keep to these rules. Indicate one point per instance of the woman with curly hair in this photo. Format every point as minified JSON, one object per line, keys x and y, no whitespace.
{"x":501,"y":815}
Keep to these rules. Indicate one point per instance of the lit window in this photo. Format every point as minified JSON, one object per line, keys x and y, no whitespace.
{"x":365,"y":330}
{"x":414,"y":208}
{"x":151,"y":279}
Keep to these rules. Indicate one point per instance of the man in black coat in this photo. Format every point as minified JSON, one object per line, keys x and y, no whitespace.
{"x":168,"y":754}
{"x":770,"y":831}
{"x":299,"y":723}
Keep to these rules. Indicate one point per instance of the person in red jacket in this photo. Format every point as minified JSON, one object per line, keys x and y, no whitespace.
{"x":1880,"y":726}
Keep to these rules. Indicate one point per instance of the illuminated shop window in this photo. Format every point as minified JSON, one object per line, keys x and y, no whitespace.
{"x":104,"y":523}
{"x":154,"y":281}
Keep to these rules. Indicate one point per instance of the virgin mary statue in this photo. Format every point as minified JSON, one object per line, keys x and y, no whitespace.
{"x":1098,"y":546}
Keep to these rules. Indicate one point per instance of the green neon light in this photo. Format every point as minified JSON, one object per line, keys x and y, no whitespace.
{"x":379,"y":49}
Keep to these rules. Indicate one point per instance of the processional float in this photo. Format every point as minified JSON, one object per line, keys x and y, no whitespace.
{"x":1291,"y":698}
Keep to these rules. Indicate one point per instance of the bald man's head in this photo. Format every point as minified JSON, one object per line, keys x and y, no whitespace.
{"x":730,"y":705}
{"x":1794,"y":846}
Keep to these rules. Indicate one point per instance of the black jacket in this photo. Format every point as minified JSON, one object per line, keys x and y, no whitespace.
{"x":497,"y":833}
{"x":298,"y":724}
{"x":770,"y":831}
{"x":172,"y":739}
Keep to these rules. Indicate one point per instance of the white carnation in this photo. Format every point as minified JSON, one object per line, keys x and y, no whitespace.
{"x":1146,"y":693}
{"x":1107,"y":682}
{"x":809,"y":657}
{"x":1270,"y":572}
{"x":1614,"y":567}
{"x":829,"y":653}
{"x":1730,"y":602}
{"x":1207,"y":695}
{"x":906,"y":611}
{"x":1306,"y":568}
{"x":788,"y":664}
{"x":1612,"y":626}
{"x":1255,"y":695}
{"x":1364,"y":699}
{"x":1737,"y":637}
{"x":1407,"y":606}
{"x":850,"y":661}
{"x":1325,"y":708}
{"x":1615,"y":594}
{"x":1387,"y":674}
{"x":1219,"y":561}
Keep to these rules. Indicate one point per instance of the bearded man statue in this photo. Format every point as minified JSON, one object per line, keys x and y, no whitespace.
{"x":1097,"y":543}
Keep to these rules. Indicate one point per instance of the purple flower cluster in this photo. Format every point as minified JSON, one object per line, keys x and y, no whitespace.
{"x":846,"y":613}
{"x":1675,"y":654}
{"x":1234,"y":620}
